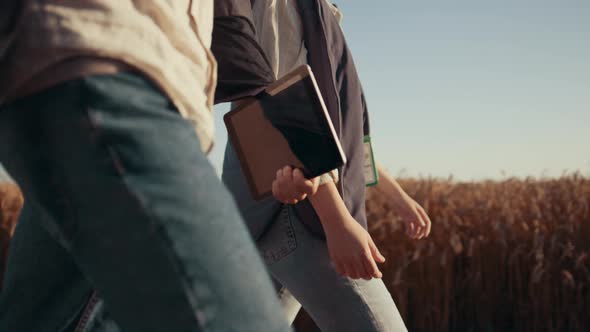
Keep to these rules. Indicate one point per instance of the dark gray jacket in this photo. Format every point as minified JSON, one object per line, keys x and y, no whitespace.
{"x":244,"y":71}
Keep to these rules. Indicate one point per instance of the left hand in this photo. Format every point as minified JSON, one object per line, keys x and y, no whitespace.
{"x":416,"y":220}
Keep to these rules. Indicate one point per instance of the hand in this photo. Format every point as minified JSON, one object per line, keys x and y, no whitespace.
{"x":291,"y":187}
{"x":416,"y":220}
{"x":352,"y":250}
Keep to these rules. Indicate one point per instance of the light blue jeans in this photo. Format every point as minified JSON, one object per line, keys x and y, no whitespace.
{"x":304,"y":276}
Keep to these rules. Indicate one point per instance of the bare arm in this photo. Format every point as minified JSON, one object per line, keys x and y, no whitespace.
{"x":417,"y":222}
{"x":353,"y":252}
{"x":389,"y":186}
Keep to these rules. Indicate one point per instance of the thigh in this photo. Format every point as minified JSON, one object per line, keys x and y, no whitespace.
{"x":335,"y":303}
{"x":289,"y":303}
{"x":142,"y":211}
{"x":44,"y":290}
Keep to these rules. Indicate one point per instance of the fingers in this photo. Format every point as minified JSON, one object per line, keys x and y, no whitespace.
{"x":363,"y":267}
{"x":302,"y":184}
{"x":422,"y":223}
{"x":275,"y":190}
{"x":340,"y":269}
{"x":353,"y":269}
{"x":282,"y":196}
{"x":316,"y":184}
{"x":371,"y":269}
{"x":417,"y":227}
{"x":284,"y":189}
{"x":284,"y":178}
{"x":426,"y":220}
{"x":290,"y":185}
{"x":307,"y":186}
{"x":376,"y":254}
{"x":350,"y":270}
{"x":411,"y":229}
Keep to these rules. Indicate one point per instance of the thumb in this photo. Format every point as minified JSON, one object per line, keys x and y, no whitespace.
{"x":375,"y":252}
{"x":315,"y":185}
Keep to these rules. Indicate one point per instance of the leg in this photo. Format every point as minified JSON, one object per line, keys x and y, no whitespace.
{"x":289,"y":303}
{"x":140,"y":209}
{"x":44,"y":289}
{"x":301,"y":263}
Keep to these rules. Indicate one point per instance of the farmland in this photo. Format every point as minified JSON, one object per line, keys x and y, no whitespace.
{"x":510,"y":255}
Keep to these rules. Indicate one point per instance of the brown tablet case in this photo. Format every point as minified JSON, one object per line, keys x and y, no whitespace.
{"x":287,"y":124}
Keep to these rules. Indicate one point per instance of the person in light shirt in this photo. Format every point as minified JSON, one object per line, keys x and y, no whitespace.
{"x":105,"y":123}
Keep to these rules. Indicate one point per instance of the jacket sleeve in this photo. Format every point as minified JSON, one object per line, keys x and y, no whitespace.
{"x":243,"y":68}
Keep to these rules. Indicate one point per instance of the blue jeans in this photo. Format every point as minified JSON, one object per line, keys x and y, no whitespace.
{"x":304,"y":276}
{"x":302,"y":270}
{"x":121,"y":203}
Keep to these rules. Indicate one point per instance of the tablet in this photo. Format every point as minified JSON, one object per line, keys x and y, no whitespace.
{"x":287,"y":124}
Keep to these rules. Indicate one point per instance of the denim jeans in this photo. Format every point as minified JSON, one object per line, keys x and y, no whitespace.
{"x":300,"y":265}
{"x":304,"y":276}
{"x":121,"y":203}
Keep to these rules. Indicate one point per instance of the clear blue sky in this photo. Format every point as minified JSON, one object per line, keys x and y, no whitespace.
{"x":472,"y":88}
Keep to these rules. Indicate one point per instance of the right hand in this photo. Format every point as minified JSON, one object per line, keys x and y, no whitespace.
{"x":352,"y":250}
{"x":291,"y":187}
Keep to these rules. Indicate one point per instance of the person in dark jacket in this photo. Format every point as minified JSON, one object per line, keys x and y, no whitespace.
{"x":317,"y":249}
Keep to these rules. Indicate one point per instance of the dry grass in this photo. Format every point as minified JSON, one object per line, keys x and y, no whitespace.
{"x":503,"y":256}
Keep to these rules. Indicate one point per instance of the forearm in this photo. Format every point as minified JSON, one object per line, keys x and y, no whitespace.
{"x":329,"y":205}
{"x":390,"y":187}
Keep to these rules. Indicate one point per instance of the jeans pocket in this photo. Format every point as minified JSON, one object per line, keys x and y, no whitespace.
{"x":279,"y":240}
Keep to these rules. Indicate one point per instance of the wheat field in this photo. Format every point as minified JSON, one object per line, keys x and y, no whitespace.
{"x":505,"y":256}
{"x":11,"y":202}
{"x":509,"y":255}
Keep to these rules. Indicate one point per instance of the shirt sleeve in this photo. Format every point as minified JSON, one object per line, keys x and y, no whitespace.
{"x":331,"y":176}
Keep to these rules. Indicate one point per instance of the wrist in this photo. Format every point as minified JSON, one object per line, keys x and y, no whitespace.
{"x":390,"y":188}
{"x":329,"y":207}
{"x":400,"y":200}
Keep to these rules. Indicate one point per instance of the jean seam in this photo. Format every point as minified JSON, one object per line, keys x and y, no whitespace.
{"x":292,"y":238}
{"x":87,"y":312}
{"x":115,"y":162}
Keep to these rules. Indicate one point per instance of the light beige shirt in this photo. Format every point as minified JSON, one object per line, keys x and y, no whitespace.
{"x":280,"y":34}
{"x":167,"y":40}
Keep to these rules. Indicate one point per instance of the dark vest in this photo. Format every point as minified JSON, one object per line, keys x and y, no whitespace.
{"x":244,"y":71}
